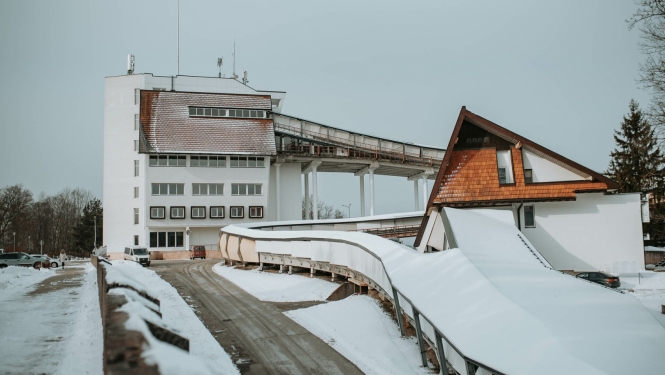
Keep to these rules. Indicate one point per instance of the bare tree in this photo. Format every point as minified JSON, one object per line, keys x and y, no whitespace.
{"x":15,"y":202}
{"x":325,"y":211}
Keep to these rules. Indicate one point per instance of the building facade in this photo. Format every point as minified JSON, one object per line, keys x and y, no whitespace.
{"x":571,"y":214}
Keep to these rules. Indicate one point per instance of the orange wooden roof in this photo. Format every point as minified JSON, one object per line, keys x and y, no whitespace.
{"x":472,"y":178}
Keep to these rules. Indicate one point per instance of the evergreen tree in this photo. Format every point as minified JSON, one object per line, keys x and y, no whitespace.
{"x":637,"y":164}
{"x":84,"y":232}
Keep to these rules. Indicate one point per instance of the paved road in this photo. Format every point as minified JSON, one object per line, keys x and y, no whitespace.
{"x":259,"y":338}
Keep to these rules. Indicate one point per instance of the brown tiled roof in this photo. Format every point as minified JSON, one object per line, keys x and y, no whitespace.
{"x":472,"y":178}
{"x":166,"y":126}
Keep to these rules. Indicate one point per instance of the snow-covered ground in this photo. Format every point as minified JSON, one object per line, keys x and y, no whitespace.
{"x":58,"y":330}
{"x":176,"y":313}
{"x":649,"y":288}
{"x":356,"y":327}
{"x":362,"y":332}
{"x":276,"y":287}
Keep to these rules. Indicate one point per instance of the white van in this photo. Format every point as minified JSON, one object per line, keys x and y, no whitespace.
{"x":140,"y":255}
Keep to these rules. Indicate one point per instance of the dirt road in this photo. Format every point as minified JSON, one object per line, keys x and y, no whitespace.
{"x":259,"y":338}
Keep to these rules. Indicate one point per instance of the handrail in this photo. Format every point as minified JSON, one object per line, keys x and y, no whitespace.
{"x":351,"y":152}
{"x":265,"y":237}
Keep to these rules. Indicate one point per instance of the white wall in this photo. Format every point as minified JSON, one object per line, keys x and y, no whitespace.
{"x":596,"y":232}
{"x":546,"y":171}
{"x":290,"y":192}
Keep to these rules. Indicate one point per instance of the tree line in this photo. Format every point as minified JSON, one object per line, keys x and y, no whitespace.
{"x":64,"y":221}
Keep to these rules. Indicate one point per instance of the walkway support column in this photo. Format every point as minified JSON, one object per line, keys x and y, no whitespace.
{"x":315,"y":203}
{"x":415,"y":195}
{"x":306,"y":195}
{"x":362,"y":195}
{"x":278,"y":197}
{"x":371,"y":191}
{"x":425,"y":192}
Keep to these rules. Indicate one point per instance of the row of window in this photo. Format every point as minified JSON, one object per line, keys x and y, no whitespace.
{"x":503,"y":177}
{"x":205,"y":161}
{"x":218,"y":112}
{"x":165,"y":239}
{"x":199,"y":212}
{"x":204,"y":189}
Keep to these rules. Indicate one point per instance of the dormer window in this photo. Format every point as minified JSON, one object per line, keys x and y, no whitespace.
{"x":528,"y":176}
{"x":502,"y":176}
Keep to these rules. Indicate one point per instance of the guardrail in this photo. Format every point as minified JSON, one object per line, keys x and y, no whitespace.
{"x":247,"y":245}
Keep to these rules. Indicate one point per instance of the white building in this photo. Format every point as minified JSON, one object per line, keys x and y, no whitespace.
{"x":185,"y":156}
{"x":571,"y":214}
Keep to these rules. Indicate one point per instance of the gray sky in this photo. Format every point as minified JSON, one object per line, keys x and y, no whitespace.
{"x":560,"y":73}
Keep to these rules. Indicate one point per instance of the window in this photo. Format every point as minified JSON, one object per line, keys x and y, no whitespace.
{"x":136,"y":145}
{"x":207,"y":161}
{"x":136,"y":122}
{"x":136,"y":168}
{"x":136,"y":192}
{"x":137,"y":96}
{"x":166,"y":239}
{"x":219,"y":112}
{"x":245,"y":189}
{"x":528,"y":176}
{"x":168,"y":189}
{"x":255,"y":211}
{"x":502,"y":176}
{"x":178,"y":212}
{"x":529,"y":217}
{"x":237,"y":211}
{"x":168,"y":161}
{"x":156,"y":212}
{"x":247,"y":162}
{"x":216,"y":212}
{"x":136,"y":240}
{"x":207,"y":189}
{"x":136,"y":216}
{"x":198,"y":212}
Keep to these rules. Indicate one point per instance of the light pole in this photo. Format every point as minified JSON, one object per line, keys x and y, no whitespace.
{"x":41,"y":247}
{"x":349,"y":207}
{"x":95,"y":232}
{"x":29,"y":245}
{"x":14,"y":241}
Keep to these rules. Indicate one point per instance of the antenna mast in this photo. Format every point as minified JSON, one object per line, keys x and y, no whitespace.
{"x":235,"y":76}
{"x":219,"y":64}
{"x":178,"y":72}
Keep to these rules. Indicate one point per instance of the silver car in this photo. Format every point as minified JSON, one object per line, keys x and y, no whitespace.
{"x":55,"y":263}
{"x":20,"y":259}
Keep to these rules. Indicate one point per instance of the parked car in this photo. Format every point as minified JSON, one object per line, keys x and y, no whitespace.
{"x":600,"y":278}
{"x":55,"y":263}
{"x":20,"y":259}
{"x":197,"y":252}
{"x":140,"y":255}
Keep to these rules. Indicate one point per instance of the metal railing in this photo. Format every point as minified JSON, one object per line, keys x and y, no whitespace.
{"x":393,"y":232}
{"x":350,"y":148}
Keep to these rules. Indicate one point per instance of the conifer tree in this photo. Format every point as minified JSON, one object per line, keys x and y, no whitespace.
{"x":637,"y":164}
{"x":84,"y":232}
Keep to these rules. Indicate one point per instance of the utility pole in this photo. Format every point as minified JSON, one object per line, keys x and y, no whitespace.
{"x":41,"y":247}
{"x":95,"y":231}
{"x":349,"y":207}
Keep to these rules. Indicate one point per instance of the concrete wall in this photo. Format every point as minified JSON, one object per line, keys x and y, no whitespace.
{"x":290,"y":192}
{"x":595,"y":232}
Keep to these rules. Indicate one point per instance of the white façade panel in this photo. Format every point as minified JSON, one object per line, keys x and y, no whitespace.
{"x":340,"y":253}
{"x":263,"y":247}
{"x":427,"y":233}
{"x":504,"y":160}
{"x":546,"y":171}
{"x":301,"y":249}
{"x":281,"y":247}
{"x":437,"y":238}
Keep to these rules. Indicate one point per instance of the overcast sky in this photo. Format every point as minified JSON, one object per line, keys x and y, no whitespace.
{"x":560,"y":73}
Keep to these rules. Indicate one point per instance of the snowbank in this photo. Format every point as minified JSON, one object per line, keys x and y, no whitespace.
{"x":276,"y":287}
{"x":363,"y":333}
{"x":18,"y":279}
{"x":208,"y":356}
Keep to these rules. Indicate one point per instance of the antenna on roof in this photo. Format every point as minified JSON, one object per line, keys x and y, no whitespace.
{"x":219,"y":64}
{"x":130,"y":64}
{"x":235,"y":76}
{"x":178,"y":71}
{"x":244,"y":77}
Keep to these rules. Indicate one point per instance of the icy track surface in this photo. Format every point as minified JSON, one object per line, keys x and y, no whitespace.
{"x":276,"y":287}
{"x":359,"y":330}
{"x":176,"y":313}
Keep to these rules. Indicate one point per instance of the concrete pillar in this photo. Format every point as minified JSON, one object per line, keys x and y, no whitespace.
{"x":415,"y":194}
{"x":290,"y":270}
{"x":332,"y":277}
{"x":278,"y":199}
{"x":425,"y":192}
{"x":307,"y":196}
{"x":311,"y":272}
{"x":362,"y":195}
{"x":281,"y":268}
{"x":315,"y":203}
{"x":187,"y":232}
{"x":371,"y":192}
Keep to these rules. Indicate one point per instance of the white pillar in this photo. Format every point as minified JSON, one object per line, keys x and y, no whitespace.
{"x":315,"y":203}
{"x":415,"y":194}
{"x":307,"y":196}
{"x":371,"y":192}
{"x":277,"y":192}
{"x":187,"y":231}
{"x":425,"y":192}
{"x":362,"y":195}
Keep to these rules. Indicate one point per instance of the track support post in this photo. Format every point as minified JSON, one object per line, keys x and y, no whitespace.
{"x":419,"y":333}
{"x":443,"y":363}
{"x":398,"y":312}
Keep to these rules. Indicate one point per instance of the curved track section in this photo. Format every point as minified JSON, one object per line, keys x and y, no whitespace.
{"x":489,"y":306}
{"x":260,"y":338}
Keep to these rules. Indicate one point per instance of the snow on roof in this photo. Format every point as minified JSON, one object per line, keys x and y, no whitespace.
{"x":653,"y":248}
{"x":499,"y":305}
